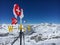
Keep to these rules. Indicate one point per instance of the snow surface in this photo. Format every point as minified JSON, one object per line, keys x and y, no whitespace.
{"x":40,"y":34}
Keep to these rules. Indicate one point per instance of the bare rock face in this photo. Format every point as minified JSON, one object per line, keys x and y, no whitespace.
{"x":37,"y":38}
{"x":4,"y":34}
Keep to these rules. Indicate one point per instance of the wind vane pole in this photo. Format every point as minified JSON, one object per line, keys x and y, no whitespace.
{"x":18,"y":12}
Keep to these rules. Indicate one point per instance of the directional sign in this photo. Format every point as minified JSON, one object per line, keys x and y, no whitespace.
{"x":10,"y":28}
{"x":20,"y":27}
{"x":29,"y":28}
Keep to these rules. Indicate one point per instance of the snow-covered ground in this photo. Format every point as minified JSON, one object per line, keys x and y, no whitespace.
{"x":40,"y":34}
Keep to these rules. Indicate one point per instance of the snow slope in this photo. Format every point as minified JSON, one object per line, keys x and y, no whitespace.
{"x":40,"y":34}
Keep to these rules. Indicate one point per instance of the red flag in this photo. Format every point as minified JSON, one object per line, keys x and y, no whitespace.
{"x":14,"y":21}
{"x":16,"y":10}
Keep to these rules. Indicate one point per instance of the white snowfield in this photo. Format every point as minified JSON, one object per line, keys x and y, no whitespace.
{"x":40,"y":34}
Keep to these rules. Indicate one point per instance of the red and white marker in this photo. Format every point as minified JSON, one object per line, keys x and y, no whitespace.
{"x":14,"y":21}
{"x":16,"y":10}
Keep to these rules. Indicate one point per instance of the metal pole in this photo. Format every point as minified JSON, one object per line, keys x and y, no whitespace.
{"x":20,"y":32}
{"x":21,"y":37}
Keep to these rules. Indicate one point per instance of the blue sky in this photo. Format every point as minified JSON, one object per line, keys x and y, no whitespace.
{"x":35,"y":11}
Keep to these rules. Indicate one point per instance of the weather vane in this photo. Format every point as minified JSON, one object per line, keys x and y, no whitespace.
{"x":18,"y":12}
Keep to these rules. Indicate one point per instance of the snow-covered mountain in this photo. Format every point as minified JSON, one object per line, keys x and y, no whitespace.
{"x":40,"y":34}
